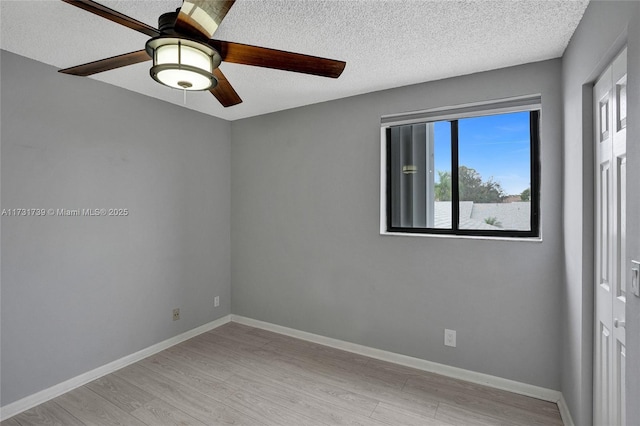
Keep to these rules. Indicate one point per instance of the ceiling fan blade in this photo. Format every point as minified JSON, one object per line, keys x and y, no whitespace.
{"x":224,"y":92}
{"x":277,"y":59}
{"x":112,"y":15}
{"x":201,"y":18}
{"x":108,"y":64}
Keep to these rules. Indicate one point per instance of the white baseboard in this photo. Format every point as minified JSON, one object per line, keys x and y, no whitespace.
{"x":564,"y":412}
{"x":420,"y":364}
{"x":45,"y":395}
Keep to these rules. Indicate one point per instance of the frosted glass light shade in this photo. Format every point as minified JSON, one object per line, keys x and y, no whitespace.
{"x":186,"y":55}
{"x":182,"y":63}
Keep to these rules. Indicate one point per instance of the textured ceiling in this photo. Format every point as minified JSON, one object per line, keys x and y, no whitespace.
{"x":385,"y":43}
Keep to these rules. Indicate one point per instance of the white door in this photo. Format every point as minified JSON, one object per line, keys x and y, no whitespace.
{"x":610,"y":116}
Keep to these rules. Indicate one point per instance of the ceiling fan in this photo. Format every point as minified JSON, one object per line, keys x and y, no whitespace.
{"x":186,"y":57}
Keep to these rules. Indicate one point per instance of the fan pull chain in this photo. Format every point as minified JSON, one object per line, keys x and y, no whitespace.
{"x":184,"y":99}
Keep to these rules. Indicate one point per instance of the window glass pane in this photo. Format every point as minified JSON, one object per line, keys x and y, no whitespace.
{"x":494,"y":172}
{"x":418,"y":155}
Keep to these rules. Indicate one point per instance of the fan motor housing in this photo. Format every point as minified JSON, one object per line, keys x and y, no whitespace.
{"x":167,"y":22}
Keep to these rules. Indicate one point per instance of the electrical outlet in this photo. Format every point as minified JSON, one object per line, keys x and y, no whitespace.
{"x":449,"y":337}
{"x":176,"y":314}
{"x":216,"y":301}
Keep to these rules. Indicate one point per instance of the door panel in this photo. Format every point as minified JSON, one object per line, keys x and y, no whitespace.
{"x":621,"y":370}
{"x":603,"y":259}
{"x":602,"y":394}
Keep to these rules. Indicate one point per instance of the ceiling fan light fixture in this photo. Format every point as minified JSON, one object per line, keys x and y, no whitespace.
{"x":183,"y":63}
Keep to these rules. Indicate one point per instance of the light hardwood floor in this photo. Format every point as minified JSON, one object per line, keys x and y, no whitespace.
{"x":241,"y":375}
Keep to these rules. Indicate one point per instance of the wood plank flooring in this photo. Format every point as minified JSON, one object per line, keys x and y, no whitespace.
{"x":239,"y":375}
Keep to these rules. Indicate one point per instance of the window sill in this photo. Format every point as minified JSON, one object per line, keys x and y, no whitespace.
{"x":462,"y":237}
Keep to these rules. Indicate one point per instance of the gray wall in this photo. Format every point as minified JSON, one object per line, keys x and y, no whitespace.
{"x":79,"y":292}
{"x":599,"y":37}
{"x":307,"y":254}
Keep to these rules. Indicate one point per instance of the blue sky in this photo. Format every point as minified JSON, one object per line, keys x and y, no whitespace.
{"x":496,"y":146}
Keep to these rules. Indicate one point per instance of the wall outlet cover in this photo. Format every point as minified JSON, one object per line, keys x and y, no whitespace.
{"x":449,"y":337}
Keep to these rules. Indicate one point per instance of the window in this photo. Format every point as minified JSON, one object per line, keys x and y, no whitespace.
{"x":464,"y":171}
